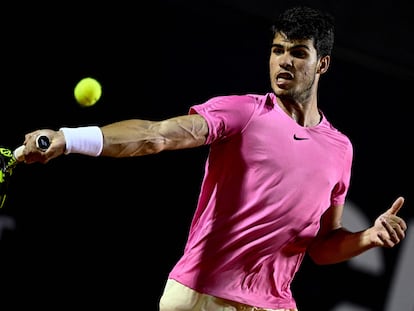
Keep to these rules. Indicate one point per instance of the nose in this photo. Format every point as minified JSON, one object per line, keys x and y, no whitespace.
{"x":285,"y":61}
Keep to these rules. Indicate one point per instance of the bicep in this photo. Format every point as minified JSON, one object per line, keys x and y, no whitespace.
{"x":331,"y":220}
{"x":329,"y":224}
{"x":182,"y":132}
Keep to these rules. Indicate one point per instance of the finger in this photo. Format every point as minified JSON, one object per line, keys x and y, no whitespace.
{"x":400,"y":232}
{"x":403,"y":224}
{"x":396,"y":206}
{"x":395,"y":230}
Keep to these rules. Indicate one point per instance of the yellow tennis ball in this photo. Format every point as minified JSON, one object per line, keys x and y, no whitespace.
{"x":87,"y":92}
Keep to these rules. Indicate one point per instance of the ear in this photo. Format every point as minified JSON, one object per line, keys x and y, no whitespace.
{"x":324,"y":64}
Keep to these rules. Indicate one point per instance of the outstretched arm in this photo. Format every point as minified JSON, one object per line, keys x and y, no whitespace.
{"x":140,"y":137}
{"x":335,"y":244}
{"x":128,"y":138}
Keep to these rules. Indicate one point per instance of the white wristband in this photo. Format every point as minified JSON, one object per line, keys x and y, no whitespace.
{"x":86,"y":140}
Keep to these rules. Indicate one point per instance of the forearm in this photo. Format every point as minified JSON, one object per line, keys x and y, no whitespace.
{"x":141,"y":137}
{"x":131,"y":138}
{"x":339,"y":245}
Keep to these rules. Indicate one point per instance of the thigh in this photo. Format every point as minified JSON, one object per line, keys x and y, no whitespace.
{"x":177,"y":297}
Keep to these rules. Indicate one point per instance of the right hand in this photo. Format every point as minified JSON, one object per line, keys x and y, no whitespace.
{"x":33,"y":154}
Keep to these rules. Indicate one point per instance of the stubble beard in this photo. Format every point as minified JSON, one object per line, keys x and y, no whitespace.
{"x":297,"y":96}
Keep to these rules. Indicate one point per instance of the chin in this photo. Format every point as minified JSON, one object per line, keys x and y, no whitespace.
{"x":281,"y":92}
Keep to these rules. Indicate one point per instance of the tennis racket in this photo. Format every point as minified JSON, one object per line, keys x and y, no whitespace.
{"x":8,"y":161}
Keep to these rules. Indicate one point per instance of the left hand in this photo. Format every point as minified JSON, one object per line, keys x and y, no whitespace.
{"x":389,"y":229}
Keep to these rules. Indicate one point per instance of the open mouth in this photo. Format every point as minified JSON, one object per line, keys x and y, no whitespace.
{"x":284,"y":76}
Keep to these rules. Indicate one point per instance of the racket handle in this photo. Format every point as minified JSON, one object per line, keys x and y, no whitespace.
{"x":18,"y":153}
{"x":42,"y":143}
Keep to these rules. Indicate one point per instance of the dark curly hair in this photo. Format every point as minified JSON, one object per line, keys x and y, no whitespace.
{"x":303,"y":22}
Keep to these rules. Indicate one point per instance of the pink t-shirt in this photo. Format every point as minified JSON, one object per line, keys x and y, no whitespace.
{"x":267,"y":182}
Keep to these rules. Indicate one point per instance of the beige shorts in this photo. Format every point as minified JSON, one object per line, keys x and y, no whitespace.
{"x":177,"y":297}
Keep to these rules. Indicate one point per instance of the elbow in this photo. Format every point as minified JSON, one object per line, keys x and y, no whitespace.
{"x":321,"y":255}
{"x":316,"y":258}
{"x":323,"y":258}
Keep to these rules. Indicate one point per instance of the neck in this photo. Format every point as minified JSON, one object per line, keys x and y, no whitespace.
{"x":305,"y":114}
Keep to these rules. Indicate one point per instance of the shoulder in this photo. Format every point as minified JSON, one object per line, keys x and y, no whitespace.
{"x":234,"y":102}
{"x":336,"y":134}
{"x":229,"y":114}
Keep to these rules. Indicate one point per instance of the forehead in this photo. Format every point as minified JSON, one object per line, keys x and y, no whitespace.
{"x":282,"y":40}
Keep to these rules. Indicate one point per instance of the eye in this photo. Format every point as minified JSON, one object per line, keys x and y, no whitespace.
{"x":278,"y":50}
{"x":299,"y":53}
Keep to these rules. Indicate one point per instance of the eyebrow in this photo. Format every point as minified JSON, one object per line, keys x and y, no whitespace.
{"x":299,"y":46}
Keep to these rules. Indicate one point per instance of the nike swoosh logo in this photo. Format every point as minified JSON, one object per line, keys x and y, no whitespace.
{"x":299,"y":138}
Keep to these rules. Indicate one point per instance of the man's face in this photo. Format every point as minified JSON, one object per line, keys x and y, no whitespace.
{"x":293,"y":67}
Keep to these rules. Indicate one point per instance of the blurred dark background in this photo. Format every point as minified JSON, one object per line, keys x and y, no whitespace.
{"x":96,"y":232}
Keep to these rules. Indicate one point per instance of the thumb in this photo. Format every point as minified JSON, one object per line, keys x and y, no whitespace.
{"x":396,"y":206}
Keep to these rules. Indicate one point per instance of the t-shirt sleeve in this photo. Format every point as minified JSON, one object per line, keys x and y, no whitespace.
{"x":225,"y":115}
{"x":341,"y":189}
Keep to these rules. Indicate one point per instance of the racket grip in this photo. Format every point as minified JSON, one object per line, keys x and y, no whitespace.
{"x":42,"y":143}
{"x":18,"y":153}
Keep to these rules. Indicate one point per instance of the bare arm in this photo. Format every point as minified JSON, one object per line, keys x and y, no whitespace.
{"x":335,"y":244}
{"x":141,"y":137}
{"x":129,"y":138}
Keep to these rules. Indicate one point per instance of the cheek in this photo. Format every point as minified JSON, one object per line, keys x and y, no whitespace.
{"x":311,"y":71}
{"x":306,"y":70}
{"x":272,"y":67}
